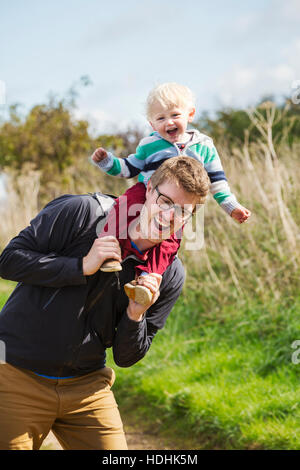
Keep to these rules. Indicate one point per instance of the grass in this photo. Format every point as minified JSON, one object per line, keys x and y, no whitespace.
{"x":6,"y":287}
{"x":231,"y":384}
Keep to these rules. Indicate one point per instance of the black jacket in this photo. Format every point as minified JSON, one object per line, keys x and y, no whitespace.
{"x":59,"y":322}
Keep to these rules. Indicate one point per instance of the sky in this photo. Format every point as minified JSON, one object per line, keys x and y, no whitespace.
{"x":229,"y":53}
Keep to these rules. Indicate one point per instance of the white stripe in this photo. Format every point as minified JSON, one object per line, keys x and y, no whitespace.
{"x":125,"y":172}
{"x":149,"y":140}
{"x":219,"y":186}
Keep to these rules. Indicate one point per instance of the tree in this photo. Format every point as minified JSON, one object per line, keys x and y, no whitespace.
{"x":231,"y":124}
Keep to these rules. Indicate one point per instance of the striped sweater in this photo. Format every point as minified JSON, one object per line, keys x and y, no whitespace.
{"x":153,"y":150}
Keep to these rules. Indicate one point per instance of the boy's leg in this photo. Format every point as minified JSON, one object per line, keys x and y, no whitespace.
{"x":89,"y":418}
{"x":27,"y":409}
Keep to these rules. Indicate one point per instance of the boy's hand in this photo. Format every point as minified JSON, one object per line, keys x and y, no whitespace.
{"x":241,"y":214}
{"x":136,"y":311}
{"x":99,"y":155}
{"x":102,"y":249}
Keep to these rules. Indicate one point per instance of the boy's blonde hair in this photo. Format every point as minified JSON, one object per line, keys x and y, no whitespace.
{"x":186,"y":172}
{"x":168,"y":95}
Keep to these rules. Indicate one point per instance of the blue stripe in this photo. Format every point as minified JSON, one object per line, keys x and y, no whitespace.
{"x":154,"y":165}
{"x":55,"y":378}
{"x":134,"y":246}
{"x":216,"y":176}
{"x":133,"y":170}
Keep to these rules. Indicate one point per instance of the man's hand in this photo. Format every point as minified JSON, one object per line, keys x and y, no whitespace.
{"x":99,"y":155}
{"x":136,"y":311}
{"x":241,"y":214}
{"x":102,"y":249}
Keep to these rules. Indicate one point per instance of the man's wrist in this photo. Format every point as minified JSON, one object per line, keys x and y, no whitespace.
{"x":85,"y":268}
{"x":136,"y":317}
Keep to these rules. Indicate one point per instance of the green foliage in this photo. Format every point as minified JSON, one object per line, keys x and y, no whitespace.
{"x":50,"y":140}
{"x":48,"y":137}
{"x":231,"y":124}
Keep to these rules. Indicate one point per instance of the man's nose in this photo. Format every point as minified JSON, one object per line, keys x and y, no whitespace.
{"x":170,"y":214}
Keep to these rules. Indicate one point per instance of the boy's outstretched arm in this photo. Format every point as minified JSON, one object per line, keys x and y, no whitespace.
{"x":123,"y":167}
{"x":220,"y":189}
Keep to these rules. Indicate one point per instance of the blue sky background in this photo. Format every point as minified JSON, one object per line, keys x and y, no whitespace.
{"x":230,"y":53}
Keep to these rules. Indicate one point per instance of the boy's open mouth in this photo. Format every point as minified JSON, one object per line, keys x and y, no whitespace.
{"x":172,"y":132}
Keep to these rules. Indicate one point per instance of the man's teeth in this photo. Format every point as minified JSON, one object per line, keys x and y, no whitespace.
{"x":160,"y":224}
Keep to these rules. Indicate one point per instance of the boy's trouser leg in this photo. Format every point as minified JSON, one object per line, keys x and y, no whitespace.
{"x":82,"y":412}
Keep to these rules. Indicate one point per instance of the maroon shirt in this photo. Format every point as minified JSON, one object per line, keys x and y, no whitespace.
{"x":157,"y":258}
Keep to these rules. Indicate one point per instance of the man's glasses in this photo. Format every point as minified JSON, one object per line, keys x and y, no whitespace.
{"x":166,"y":204}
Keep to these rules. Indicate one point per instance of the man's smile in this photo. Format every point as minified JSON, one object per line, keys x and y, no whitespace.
{"x":161,"y":225}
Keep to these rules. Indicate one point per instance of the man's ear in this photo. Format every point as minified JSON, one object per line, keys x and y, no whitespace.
{"x":149,"y":187}
{"x":191,"y":114}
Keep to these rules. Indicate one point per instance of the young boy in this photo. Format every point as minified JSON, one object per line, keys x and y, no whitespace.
{"x":170,"y":108}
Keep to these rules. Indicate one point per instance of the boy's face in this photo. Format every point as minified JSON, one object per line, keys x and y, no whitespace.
{"x":171,"y":123}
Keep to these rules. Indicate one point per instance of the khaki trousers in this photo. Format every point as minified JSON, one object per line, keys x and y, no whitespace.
{"x":81,"y":412}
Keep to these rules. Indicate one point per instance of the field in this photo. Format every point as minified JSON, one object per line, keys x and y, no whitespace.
{"x":224,"y":372}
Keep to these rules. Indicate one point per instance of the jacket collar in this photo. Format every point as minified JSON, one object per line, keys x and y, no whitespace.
{"x":196,"y":136}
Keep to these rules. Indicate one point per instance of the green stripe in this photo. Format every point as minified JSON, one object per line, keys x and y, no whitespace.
{"x":220,"y":197}
{"x":140,"y":178}
{"x":146,"y":150}
{"x":208,"y":154}
{"x":116,"y":168}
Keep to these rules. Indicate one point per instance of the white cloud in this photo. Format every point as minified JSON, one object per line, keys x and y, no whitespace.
{"x":282,"y":73}
{"x":290,"y":10}
{"x":245,"y":77}
{"x":99,"y":120}
{"x":243,"y":86}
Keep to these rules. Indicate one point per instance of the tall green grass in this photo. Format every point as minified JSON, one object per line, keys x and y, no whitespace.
{"x":226,"y":382}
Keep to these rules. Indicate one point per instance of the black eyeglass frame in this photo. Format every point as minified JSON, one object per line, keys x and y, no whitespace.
{"x":173,"y":206}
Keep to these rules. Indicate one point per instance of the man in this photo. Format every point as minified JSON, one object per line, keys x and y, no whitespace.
{"x":65,"y":312}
